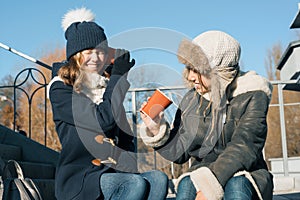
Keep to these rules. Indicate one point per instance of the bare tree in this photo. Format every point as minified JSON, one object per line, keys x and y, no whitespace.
{"x":31,"y":105}
{"x":52,"y":138}
{"x":273,"y":56}
{"x":7,"y":101}
{"x":273,"y":147}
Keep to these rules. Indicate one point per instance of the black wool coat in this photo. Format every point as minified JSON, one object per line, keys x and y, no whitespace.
{"x":78,"y":121}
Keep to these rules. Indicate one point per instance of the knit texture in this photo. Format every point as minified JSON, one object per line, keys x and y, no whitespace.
{"x":216,"y":55}
{"x":82,"y":33}
{"x":221,"y":49}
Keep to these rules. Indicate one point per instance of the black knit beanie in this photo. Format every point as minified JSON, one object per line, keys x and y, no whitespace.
{"x":82,"y":33}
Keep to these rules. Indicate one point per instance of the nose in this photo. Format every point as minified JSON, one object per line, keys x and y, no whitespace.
{"x":192,"y":75}
{"x":94,"y":56}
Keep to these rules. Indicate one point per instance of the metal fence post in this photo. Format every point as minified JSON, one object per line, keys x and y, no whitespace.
{"x":283,"y":132}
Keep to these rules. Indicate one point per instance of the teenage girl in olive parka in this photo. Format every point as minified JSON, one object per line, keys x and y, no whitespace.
{"x":220,"y":124}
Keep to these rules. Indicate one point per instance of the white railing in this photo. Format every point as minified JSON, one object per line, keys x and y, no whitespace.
{"x":281,"y":104}
{"x":280,"y":84}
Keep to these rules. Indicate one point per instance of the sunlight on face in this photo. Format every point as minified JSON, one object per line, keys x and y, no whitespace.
{"x":201,"y":83}
{"x":94,"y":60}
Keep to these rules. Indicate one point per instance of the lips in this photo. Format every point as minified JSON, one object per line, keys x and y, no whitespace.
{"x":196,"y":85}
{"x":92,"y":65}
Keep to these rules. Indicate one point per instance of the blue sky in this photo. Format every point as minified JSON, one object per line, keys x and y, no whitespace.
{"x":33,"y":27}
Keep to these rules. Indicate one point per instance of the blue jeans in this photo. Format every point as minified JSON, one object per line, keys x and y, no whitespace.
{"x":186,"y":189}
{"x":236,"y":188}
{"x":151,"y":185}
{"x":239,"y":187}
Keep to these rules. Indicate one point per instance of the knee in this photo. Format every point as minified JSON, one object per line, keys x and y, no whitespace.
{"x":239,"y":188}
{"x":186,"y":184}
{"x":159,"y":175}
{"x":133,"y":188}
{"x":186,"y":181}
{"x":235,"y":183}
{"x":138,"y":183}
{"x":186,"y":189}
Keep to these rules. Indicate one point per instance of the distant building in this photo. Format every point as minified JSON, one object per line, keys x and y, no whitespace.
{"x":289,"y":64}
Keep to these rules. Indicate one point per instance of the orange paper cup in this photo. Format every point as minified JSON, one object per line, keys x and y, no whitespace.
{"x":156,"y":103}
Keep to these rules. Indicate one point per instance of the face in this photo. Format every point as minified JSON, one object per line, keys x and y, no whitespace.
{"x":94,"y":60}
{"x":201,"y":83}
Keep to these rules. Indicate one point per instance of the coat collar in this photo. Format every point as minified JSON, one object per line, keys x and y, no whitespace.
{"x":251,"y":81}
{"x":247,"y":82}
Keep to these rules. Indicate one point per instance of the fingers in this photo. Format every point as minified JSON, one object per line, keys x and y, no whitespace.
{"x":126,"y":55}
{"x":143,"y":105}
{"x":146,"y":119}
{"x":118,"y":53}
{"x":161,"y":115}
{"x":132,"y":62}
{"x":121,"y":63}
{"x":143,"y":115}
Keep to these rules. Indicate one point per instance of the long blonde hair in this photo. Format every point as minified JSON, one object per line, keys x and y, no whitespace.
{"x":190,"y":84}
{"x":71,"y":73}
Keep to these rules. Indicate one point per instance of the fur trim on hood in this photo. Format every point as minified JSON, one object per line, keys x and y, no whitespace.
{"x":192,"y":55}
{"x":247,"y":82}
{"x":214,"y":54}
{"x":251,"y":81}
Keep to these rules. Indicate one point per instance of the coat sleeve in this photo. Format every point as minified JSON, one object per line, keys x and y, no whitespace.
{"x":172,"y":144}
{"x":77,"y":109}
{"x":176,"y":147}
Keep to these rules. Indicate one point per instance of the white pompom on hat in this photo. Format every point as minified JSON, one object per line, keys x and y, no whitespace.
{"x":77,"y":15}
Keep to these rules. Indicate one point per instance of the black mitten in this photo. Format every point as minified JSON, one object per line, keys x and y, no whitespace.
{"x":122,"y":63}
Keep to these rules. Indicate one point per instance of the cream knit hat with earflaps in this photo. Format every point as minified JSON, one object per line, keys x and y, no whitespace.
{"x":223,"y":54}
{"x":212,"y":52}
{"x":216,"y":55}
{"x":221,"y":49}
